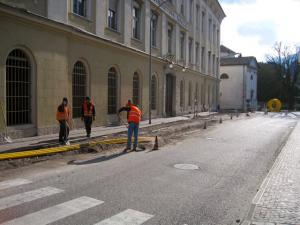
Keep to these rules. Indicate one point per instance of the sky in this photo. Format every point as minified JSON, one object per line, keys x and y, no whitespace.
{"x":252,"y":27}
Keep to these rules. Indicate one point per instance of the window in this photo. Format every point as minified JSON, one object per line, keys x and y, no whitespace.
{"x":136,"y":89}
{"x":181,"y":93}
{"x":190,"y":93}
{"x":209,"y":29}
{"x":191,"y":10}
{"x":214,"y":64}
{"x":197,"y":16}
{"x":224,"y":76}
{"x":209,"y":62}
{"x":79,"y":7}
{"x":153,"y":92}
{"x":112,"y":91}
{"x":170,"y":38}
{"x":217,"y":67}
{"x":190,"y":50}
{"x":79,"y":87}
{"x":112,"y":14}
{"x":136,"y":21}
{"x":182,"y":43}
{"x":203,"y":59}
{"x":182,"y":7}
{"x":18,"y":88}
{"x":218,"y":37}
{"x":197,"y":94}
{"x":214,"y":34}
{"x":154,"y":19}
{"x":203,"y":22}
{"x":251,"y":77}
{"x":197,"y":54}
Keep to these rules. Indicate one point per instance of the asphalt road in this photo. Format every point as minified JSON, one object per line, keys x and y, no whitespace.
{"x":145,"y":188}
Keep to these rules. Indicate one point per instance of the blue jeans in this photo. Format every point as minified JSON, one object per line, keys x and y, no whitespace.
{"x":133,"y":128}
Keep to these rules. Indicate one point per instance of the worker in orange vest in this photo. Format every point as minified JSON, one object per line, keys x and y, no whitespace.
{"x":134,"y":118}
{"x":63,"y":116}
{"x":88,"y":115}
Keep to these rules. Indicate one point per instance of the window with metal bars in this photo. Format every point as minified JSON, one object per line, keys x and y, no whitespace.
{"x":79,"y":87}
{"x":18,"y":88}
{"x":190,"y":94}
{"x":112,"y":91}
{"x":136,"y":89}
{"x":153,"y":92}
{"x":181,"y":93}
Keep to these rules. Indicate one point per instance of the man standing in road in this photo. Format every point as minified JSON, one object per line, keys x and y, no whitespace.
{"x":63,"y":116}
{"x":88,"y":115}
{"x":134,"y":118}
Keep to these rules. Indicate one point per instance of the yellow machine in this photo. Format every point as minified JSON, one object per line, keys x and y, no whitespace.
{"x":274,"y":105}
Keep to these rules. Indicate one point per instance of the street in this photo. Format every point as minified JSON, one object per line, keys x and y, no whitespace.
{"x":228,"y":163}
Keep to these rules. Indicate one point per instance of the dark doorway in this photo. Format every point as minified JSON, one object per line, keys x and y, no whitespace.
{"x":170,"y":95}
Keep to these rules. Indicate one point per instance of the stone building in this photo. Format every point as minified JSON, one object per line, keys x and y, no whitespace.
{"x":55,"y":48}
{"x":238,"y":85}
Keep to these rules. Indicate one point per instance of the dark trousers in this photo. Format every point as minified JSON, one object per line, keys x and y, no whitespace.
{"x":88,"y":120}
{"x":63,"y":131}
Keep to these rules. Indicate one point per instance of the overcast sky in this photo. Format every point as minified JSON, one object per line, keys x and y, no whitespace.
{"x":251,"y":27}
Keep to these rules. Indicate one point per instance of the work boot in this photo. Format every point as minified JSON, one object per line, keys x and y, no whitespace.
{"x":126,"y":150}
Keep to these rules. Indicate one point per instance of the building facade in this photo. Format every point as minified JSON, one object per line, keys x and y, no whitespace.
{"x":238,"y":85}
{"x":50,"y":49}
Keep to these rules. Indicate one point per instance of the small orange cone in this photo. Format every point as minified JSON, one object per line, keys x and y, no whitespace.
{"x":155,"y":147}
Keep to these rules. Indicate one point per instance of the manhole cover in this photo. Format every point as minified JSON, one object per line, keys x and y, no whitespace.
{"x":186,"y":166}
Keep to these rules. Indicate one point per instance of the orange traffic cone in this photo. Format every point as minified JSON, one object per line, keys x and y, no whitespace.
{"x":155,"y":146}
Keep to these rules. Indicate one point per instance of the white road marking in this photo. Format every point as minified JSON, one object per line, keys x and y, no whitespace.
{"x":56,"y":212}
{"x":13,"y":183}
{"x":29,"y":196}
{"x":127,"y":217}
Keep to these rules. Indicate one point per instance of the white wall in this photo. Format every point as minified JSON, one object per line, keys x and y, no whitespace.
{"x":231,"y":90}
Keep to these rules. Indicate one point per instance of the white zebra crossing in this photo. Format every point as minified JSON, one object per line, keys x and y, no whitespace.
{"x":63,"y":210}
{"x":57,"y":212}
{"x":127,"y":217}
{"x":13,"y":183}
{"x":29,"y":196}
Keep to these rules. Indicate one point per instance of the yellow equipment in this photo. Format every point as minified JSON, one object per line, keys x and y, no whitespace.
{"x":274,"y":105}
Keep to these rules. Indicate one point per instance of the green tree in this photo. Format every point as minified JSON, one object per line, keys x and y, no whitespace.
{"x":286,"y":69}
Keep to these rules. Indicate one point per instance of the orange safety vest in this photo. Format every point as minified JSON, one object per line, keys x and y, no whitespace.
{"x":65,"y":115}
{"x":86,"y":111}
{"x":134,"y":114}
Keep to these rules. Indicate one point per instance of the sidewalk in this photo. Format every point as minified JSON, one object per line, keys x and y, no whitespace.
{"x":278,"y":201}
{"x":80,"y":135}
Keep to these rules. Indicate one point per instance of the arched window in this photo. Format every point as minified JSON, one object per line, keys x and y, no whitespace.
{"x":224,"y":76}
{"x":79,"y":87}
{"x":181,"y":93}
{"x":112,"y":91}
{"x":153,"y":92}
{"x":18,"y":88}
{"x":136,"y":89}
{"x":197,"y":94}
{"x":190,"y":94}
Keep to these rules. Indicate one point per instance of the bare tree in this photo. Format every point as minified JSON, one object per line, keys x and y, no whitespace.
{"x":285,"y":62}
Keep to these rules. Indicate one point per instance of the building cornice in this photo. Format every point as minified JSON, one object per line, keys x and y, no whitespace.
{"x":217,"y":9}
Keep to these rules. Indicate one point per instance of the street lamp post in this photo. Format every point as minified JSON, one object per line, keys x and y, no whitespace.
{"x":150,"y":57}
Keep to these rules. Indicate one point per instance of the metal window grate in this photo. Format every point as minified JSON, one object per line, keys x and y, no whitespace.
{"x":153,"y":92}
{"x":18,"y":88}
{"x":181,"y":93}
{"x":79,"y":87}
{"x":112,"y":91}
{"x":136,"y":89}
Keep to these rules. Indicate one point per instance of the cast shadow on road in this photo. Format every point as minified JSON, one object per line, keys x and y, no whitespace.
{"x":100,"y":159}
